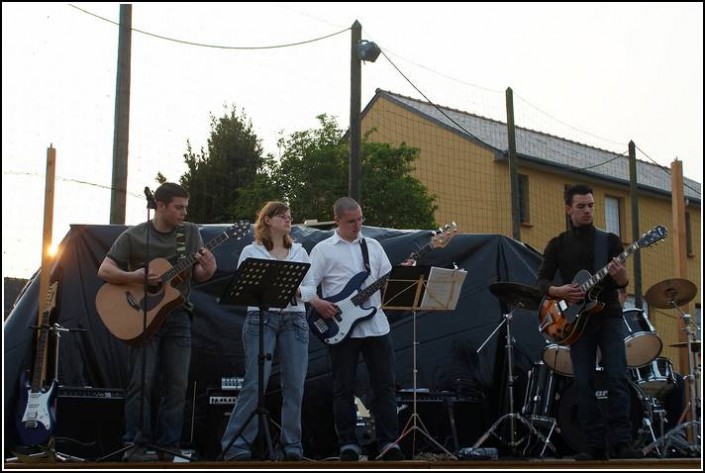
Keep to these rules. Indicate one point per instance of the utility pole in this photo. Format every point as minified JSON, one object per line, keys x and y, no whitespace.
{"x":121,"y":135}
{"x":355,"y":164}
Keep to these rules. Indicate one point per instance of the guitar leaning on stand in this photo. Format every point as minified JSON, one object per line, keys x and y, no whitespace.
{"x":350,"y":300}
{"x":563,"y":323}
{"x":120,"y":306}
{"x":36,"y":412}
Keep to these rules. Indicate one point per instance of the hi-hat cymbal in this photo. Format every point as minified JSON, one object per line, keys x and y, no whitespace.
{"x":695,"y":345}
{"x":670,"y":293}
{"x":515,"y":294}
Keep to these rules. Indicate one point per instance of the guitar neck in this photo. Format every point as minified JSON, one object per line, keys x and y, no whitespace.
{"x":185,"y":263}
{"x":600,"y":275}
{"x":366,"y":293}
{"x":43,"y":341}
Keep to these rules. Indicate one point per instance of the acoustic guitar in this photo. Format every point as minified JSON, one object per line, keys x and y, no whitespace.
{"x":121,"y":306}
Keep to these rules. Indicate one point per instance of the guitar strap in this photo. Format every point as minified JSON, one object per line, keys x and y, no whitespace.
{"x":180,"y":242}
{"x":599,"y":254}
{"x":365,"y":255}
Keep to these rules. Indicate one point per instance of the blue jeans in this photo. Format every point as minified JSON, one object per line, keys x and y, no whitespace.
{"x":379,"y":358}
{"x":607,"y":333}
{"x":167,"y":356}
{"x":287,"y":333}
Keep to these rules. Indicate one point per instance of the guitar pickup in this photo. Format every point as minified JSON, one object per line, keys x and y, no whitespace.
{"x":563,"y":305}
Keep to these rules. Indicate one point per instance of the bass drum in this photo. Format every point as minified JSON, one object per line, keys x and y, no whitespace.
{"x":569,"y":425}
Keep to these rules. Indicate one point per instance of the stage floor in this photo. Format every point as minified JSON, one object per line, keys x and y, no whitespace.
{"x":525,"y":464}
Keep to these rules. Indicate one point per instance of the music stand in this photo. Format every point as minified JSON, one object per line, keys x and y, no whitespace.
{"x":263,"y":283}
{"x":427,"y":288}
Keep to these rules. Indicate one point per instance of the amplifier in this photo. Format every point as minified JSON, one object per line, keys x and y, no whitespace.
{"x":90,"y":393}
{"x":218,"y":410}
{"x":231,"y":383}
{"x":89,"y":421}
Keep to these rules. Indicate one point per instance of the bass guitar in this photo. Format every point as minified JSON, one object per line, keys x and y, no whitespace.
{"x":35,"y":416}
{"x":121,"y":306}
{"x":563,"y":323}
{"x":348,"y":302}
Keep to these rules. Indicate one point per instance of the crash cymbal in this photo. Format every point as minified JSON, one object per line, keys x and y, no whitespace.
{"x":695,"y":345}
{"x":515,"y":294}
{"x":670,"y":292}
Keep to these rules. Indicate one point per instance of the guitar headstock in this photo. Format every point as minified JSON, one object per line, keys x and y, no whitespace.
{"x":657,"y":233}
{"x":443,"y":235}
{"x":238,"y":230}
{"x":50,"y":301}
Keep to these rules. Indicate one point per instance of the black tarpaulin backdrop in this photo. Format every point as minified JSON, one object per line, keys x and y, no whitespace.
{"x":447,"y":340}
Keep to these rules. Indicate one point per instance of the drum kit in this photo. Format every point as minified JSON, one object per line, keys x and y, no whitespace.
{"x":551,"y":398}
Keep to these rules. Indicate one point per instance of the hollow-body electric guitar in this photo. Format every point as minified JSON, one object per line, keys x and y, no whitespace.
{"x":121,"y":306}
{"x":35,"y":414}
{"x":350,"y":310}
{"x":562,"y":323}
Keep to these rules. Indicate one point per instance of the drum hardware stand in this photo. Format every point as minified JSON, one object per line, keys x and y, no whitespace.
{"x":692,"y":379}
{"x":408,"y":288}
{"x":512,"y":295}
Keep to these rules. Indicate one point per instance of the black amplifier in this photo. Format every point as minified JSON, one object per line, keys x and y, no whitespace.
{"x":89,"y":421}
{"x":90,"y":392}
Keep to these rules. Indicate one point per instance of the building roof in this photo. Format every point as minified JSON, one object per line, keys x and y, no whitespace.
{"x":544,"y":149}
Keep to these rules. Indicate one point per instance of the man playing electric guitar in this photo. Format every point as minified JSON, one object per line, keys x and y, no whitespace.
{"x":583,"y":248}
{"x":167,"y":353}
{"x":334,"y":262}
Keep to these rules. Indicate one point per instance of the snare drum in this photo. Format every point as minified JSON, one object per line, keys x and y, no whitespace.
{"x":656,"y":379}
{"x":558,"y":358}
{"x":642,"y":344}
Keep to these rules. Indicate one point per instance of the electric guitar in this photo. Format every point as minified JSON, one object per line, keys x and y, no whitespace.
{"x":563,"y":323}
{"x":121,"y":306}
{"x":35,"y":415}
{"x":349,"y":301}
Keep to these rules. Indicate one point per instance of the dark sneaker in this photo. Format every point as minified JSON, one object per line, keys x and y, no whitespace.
{"x":349,"y":455}
{"x":243,"y":457}
{"x":394,"y":454}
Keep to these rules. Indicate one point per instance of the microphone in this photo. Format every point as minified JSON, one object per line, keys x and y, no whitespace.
{"x":151,"y":202}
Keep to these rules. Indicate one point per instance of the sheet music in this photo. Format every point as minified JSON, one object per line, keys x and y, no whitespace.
{"x":443,"y":289}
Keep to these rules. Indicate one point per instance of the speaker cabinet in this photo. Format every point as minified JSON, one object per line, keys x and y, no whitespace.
{"x":219,"y":405}
{"x":89,"y":421}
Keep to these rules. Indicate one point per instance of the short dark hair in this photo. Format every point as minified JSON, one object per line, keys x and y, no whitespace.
{"x":167,"y":191}
{"x":577,"y":189}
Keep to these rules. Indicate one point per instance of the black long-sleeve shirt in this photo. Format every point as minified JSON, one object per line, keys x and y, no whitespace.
{"x":573,"y":251}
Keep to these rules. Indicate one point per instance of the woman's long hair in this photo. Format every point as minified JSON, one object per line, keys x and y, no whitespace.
{"x":263,"y":233}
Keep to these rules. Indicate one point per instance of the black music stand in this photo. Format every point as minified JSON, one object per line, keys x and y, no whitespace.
{"x":426,"y":288}
{"x":263,"y":283}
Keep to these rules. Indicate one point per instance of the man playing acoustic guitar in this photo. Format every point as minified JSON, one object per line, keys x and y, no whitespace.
{"x":584,"y":248}
{"x":167,"y":352}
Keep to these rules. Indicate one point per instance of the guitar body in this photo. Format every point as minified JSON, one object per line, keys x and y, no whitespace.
{"x":563,"y":323}
{"x":36,"y":412}
{"x":121,"y":306}
{"x":336,"y":329}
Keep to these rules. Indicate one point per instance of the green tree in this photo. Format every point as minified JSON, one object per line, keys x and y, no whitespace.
{"x":216,"y":177}
{"x":313,"y":173}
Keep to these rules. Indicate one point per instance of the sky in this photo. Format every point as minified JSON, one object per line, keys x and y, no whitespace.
{"x":600,"y":74}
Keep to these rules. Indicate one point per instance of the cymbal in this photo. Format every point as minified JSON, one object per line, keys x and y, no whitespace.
{"x":515,"y":294}
{"x":670,"y":292}
{"x":695,"y":345}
